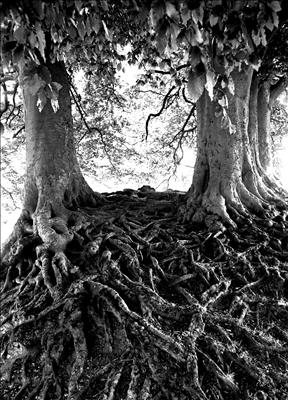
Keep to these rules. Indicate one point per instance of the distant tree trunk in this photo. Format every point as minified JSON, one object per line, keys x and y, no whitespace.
{"x":227,"y":183}
{"x":264,"y":135}
{"x":54,"y":184}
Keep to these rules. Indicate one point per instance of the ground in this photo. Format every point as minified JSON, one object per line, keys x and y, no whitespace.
{"x":144,"y":306}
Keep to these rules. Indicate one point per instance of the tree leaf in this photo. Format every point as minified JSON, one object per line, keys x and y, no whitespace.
{"x":195,"y":85}
{"x":78,"y":5}
{"x":55,"y":104}
{"x":213,"y":19}
{"x":107,"y":33}
{"x":34,"y":83}
{"x":170,"y":9}
{"x":20,"y":34}
{"x":231,"y":85}
{"x":158,"y":10}
{"x":210,"y":83}
{"x":41,"y":99}
{"x":56,"y":86}
{"x":41,"y":40}
{"x":95,"y":24}
{"x":275,"y":5}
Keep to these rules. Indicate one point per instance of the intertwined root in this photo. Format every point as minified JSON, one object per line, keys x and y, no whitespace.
{"x":141,"y":307}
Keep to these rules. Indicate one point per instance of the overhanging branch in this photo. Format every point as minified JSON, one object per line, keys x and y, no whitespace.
{"x":153,"y":115}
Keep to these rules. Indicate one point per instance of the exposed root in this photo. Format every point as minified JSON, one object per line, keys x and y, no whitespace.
{"x":135,"y":305}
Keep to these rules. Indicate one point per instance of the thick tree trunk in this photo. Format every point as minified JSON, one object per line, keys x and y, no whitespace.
{"x":54,"y":184}
{"x":227,"y":183}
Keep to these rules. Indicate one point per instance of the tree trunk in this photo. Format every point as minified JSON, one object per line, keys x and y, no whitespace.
{"x":54,"y":184}
{"x":264,"y":116}
{"x":227,"y":183}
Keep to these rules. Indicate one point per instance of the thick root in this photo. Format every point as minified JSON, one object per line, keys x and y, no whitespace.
{"x":138,"y":306}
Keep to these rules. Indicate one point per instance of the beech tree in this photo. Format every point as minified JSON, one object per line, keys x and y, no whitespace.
{"x":226,"y":46}
{"x":111,"y":296}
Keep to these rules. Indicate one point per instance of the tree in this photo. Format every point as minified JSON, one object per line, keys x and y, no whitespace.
{"x":121,"y":300}
{"x":226,"y":46}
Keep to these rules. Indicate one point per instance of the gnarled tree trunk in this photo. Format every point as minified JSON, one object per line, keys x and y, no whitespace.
{"x":54,"y":186}
{"x":228,"y":180}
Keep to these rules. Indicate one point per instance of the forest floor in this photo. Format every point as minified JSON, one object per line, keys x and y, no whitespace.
{"x":143,"y":306}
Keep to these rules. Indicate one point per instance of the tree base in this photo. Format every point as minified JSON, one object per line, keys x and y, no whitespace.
{"x":138,"y":306}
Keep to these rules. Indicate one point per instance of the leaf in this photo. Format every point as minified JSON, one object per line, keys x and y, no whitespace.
{"x":20,"y":34}
{"x":170,"y":9}
{"x":231,"y":85}
{"x":78,"y":5}
{"x":275,"y":19}
{"x":210,"y":83}
{"x":34,"y":84}
{"x":41,"y":40}
{"x":41,"y":99}
{"x":275,"y":5}
{"x":95,"y":24}
{"x":81,"y":29}
{"x":158,"y":10}
{"x":56,"y":86}
{"x":256,"y":38}
{"x":213,"y":19}
{"x":263,"y":37}
{"x":223,"y":101}
{"x":107,"y":33}
{"x":270,"y":25}
{"x":195,"y":85}
{"x":32,"y":40}
{"x":55,"y":104}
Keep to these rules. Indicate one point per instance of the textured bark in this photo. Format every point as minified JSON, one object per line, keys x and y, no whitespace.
{"x":264,"y":116}
{"x":228,"y":181}
{"x":54,"y":184}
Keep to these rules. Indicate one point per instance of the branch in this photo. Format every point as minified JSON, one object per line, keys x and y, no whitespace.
{"x":186,"y":98}
{"x":7,"y":78}
{"x":157,"y":71}
{"x":150,"y":91}
{"x":14,"y":92}
{"x":165,"y":100}
{"x":182,"y":131}
{"x":6,"y":104}
{"x":10,"y":195}
{"x":277,"y":89}
{"x":19,"y":130}
{"x":90,"y":130}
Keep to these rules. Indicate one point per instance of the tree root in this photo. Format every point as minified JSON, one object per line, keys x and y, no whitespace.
{"x":135,"y":305}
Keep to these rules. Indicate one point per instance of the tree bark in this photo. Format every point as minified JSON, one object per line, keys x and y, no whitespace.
{"x":227,"y":183}
{"x":54,"y":184}
{"x":264,"y":117}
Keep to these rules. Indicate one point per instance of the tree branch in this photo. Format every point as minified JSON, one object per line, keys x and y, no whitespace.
{"x":153,"y":115}
{"x":6,"y":104}
{"x":158,"y":71}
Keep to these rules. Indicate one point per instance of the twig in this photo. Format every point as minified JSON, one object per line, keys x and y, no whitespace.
{"x":19,"y":130}
{"x":153,"y":115}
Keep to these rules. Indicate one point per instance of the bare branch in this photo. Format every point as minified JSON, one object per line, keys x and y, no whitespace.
{"x":153,"y":115}
{"x":91,"y":129}
{"x":183,"y":130}
{"x":186,"y":98}
{"x":10,"y":195}
{"x":19,"y":130}
{"x":156,"y":71}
